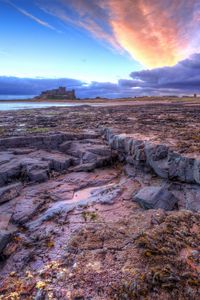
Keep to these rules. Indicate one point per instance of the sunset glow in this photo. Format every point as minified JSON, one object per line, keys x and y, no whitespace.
{"x":98,"y":44}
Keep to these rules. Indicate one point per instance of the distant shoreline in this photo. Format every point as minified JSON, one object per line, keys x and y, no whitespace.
{"x":106,"y":101}
{"x":81,"y":101}
{"x":58,"y":101}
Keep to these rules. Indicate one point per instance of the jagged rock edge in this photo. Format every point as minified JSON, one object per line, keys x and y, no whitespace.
{"x":165,"y":162}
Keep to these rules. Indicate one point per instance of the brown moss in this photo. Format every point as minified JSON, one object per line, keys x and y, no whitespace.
{"x":89,"y":216}
{"x":163,"y":267}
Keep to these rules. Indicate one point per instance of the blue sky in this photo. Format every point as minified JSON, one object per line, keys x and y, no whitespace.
{"x":29,"y":49}
{"x":108,"y":48}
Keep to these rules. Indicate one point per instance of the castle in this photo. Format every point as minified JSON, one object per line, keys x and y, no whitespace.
{"x":61,"y":93}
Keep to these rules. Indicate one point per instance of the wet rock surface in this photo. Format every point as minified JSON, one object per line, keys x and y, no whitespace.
{"x":85,"y":209}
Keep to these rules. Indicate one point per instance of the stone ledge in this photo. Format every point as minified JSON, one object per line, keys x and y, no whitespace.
{"x":160,"y":158}
{"x":51,"y":141}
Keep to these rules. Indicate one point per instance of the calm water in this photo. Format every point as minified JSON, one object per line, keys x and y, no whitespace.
{"x":28,"y":104}
{"x":15,"y":97}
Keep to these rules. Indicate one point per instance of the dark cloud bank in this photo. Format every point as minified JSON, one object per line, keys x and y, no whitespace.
{"x":183,"y":78}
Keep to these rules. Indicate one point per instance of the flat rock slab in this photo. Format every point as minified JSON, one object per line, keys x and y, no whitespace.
{"x":9,"y":192}
{"x":105,"y":195}
{"x":154,"y":197}
{"x":34,"y":159}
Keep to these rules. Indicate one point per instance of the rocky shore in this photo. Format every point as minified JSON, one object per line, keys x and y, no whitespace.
{"x":100,"y":202}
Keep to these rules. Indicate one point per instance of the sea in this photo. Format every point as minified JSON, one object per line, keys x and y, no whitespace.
{"x":28,"y":104}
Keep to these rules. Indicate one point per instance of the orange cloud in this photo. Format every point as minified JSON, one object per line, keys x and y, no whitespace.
{"x":155,"y":32}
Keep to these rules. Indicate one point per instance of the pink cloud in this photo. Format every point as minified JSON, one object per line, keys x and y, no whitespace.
{"x":155,"y":32}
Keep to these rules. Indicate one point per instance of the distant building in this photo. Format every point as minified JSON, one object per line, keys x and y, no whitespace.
{"x":61,"y":93}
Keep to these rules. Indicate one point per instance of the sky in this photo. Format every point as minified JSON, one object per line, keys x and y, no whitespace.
{"x":108,"y":48}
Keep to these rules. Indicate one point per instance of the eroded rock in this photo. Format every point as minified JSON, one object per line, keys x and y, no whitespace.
{"x":6,"y":231}
{"x":154,"y":197}
{"x":157,"y":158}
{"x":9,"y":192}
{"x":82,"y":198}
{"x":5,"y":237}
{"x":164,"y":162}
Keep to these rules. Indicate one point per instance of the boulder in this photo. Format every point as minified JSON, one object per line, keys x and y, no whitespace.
{"x":103,"y":161}
{"x":89,"y":157}
{"x":155,"y":197}
{"x":58,"y":162}
{"x":137,"y":150}
{"x":100,"y":150}
{"x":64,"y":147}
{"x":113,"y":141}
{"x":128,"y":144}
{"x":157,"y":159}
{"x":74,"y":149}
{"x":35,"y":170}
{"x":188,"y":195}
{"x":108,"y":133}
{"x":9,"y":171}
{"x":120,"y":142}
{"x":130,"y":170}
{"x":182,"y":168}
{"x":37,"y":175}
